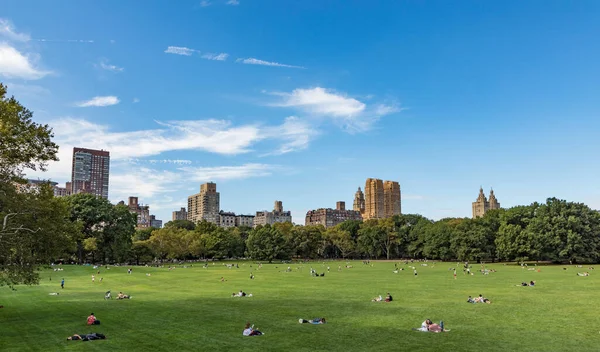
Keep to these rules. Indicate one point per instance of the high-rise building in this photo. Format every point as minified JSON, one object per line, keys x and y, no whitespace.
{"x":180,"y":214}
{"x":391,"y":199}
{"x":482,"y":205}
{"x":331,"y":217}
{"x":373,"y":199}
{"x":144,"y":220}
{"x":359,"y":201}
{"x":204,"y":205}
{"x":271,"y":217}
{"x":89,"y":172}
{"x":382,"y":199}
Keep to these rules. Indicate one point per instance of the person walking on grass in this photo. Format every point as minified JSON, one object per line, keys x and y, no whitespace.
{"x":62,"y":283}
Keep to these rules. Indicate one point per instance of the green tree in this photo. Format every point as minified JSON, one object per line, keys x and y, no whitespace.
{"x":266,"y":243}
{"x":24,"y":144}
{"x":32,"y":232}
{"x":91,"y":213}
{"x":306,"y":241}
{"x":341,"y":240}
{"x":35,"y":231}
{"x":115,"y":239}
{"x":181,"y":224}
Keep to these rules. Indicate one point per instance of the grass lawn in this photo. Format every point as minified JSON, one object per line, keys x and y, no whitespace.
{"x":190,"y":309}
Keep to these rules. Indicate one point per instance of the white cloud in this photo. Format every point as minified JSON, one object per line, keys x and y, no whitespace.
{"x":352,"y":114}
{"x":113,"y":68}
{"x":218,"y":57}
{"x":99,"y":102}
{"x":322,"y":101}
{"x":233,"y":2}
{"x":295,"y":133}
{"x":14,"y":64}
{"x":136,"y":100}
{"x":179,"y":50}
{"x":205,"y":3}
{"x":253,"y":61}
{"x":222,"y":173}
{"x":8,"y":31}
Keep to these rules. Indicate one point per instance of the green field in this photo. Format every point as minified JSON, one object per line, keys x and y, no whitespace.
{"x":190,"y":309}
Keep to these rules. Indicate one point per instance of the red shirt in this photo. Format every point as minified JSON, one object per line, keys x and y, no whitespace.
{"x":91,"y":320}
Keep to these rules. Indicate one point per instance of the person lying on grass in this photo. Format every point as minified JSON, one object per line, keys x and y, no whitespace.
{"x":583,"y":274}
{"x":91,"y":320}
{"x":87,"y":337}
{"x":429,"y":326}
{"x":313,"y":321}
{"x":121,"y":295}
{"x":250,"y":331}
{"x":481,"y":299}
{"x":241,"y":294}
{"x":377,"y":299}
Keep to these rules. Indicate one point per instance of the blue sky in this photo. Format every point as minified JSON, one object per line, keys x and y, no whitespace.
{"x":301,"y":101}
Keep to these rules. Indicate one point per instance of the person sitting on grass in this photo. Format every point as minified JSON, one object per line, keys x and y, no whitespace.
{"x":313,"y":321}
{"x":250,"y":331}
{"x":121,"y":295}
{"x":470,"y":300}
{"x":91,"y":320}
{"x":87,"y":337}
{"x":389,"y":297}
{"x":532,"y":283}
{"x":424,"y":326}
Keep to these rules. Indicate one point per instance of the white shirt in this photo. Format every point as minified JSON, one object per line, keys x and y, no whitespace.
{"x":247,"y":332}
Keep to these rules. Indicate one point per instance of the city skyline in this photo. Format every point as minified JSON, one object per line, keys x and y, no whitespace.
{"x":440,"y":97}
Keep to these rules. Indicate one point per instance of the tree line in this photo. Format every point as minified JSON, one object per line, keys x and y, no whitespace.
{"x":37,"y":228}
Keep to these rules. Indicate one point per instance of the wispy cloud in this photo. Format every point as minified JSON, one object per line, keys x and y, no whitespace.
{"x":352,"y":114}
{"x":295,"y":133}
{"x":136,"y":100}
{"x":212,"y":136}
{"x":233,"y":2}
{"x":99,"y":102}
{"x":253,"y":61}
{"x":180,"y":50}
{"x":14,"y":64}
{"x":205,"y":3}
{"x":106,"y":66}
{"x":88,"y":41}
{"x":217,"y":57}
{"x":221,"y":173}
{"x":8,"y":31}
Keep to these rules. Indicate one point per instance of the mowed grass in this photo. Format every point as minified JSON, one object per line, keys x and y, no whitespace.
{"x":190,"y":309}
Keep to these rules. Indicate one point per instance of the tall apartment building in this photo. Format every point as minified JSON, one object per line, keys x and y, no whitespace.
{"x":204,"y":205}
{"x":391,"y":199}
{"x":272,"y":217}
{"x":382,"y":199}
{"x":373,"y":199}
{"x":359,"y":201}
{"x":331,"y":217}
{"x":89,"y":172}
{"x":144,"y":219}
{"x":180,"y":214}
{"x":482,"y":205}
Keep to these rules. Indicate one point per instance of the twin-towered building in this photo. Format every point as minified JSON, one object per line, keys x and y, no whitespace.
{"x":482,"y":205}
{"x":382,"y":199}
